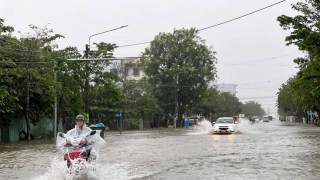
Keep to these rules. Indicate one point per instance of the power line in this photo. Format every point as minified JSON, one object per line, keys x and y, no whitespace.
{"x":262,"y":81}
{"x":242,"y":16}
{"x":276,"y":57}
{"x":261,"y":97}
{"x":260,"y":87}
{"x":239,"y":17}
{"x":257,"y":65}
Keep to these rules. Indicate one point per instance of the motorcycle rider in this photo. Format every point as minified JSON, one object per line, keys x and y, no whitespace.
{"x":235,"y":119}
{"x":252,"y":120}
{"x":81,"y":129}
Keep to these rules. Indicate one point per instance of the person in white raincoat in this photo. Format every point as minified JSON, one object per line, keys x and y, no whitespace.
{"x":81,"y":129}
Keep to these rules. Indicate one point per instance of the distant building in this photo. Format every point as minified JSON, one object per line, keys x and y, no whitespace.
{"x":128,"y":69}
{"x":134,"y":70}
{"x":231,"y":88}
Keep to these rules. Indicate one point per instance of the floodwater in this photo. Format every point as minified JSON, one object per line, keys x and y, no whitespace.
{"x":274,"y":150}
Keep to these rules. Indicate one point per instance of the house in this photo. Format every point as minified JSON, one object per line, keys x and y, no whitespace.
{"x":128,"y":69}
{"x":134,"y":70}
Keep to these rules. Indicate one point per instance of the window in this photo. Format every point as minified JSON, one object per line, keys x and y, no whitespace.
{"x":136,"y":72}
{"x":114,"y":71}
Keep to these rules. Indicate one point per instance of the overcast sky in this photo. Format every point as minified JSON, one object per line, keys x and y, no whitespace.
{"x":252,"y":38}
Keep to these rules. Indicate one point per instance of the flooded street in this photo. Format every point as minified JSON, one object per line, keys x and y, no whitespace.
{"x":275,"y":150}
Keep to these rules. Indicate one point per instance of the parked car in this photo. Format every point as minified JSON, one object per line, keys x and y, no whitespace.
{"x":224,"y":125}
{"x":265,"y":119}
{"x":194,"y":120}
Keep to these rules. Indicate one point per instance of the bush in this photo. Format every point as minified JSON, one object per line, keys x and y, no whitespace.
{"x":133,"y":124}
{"x":41,"y":131}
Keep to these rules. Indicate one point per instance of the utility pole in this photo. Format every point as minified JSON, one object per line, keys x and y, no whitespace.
{"x":86,"y":107}
{"x":55,"y":101}
{"x":120,"y":122}
{"x":87,"y":73}
{"x":177,"y":104}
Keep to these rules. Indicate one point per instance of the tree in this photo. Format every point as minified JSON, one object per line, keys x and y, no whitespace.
{"x":305,"y":35}
{"x":139,"y":100}
{"x":228,"y":104}
{"x":179,"y":64}
{"x":28,"y":76}
{"x":69,"y":83}
{"x":288,"y":99}
{"x":95,"y":70}
{"x":305,"y":30}
{"x":252,"y":108}
{"x":35,"y":84}
{"x":9,"y":102}
{"x":209,"y":104}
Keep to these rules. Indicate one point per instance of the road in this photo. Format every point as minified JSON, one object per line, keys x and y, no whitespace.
{"x":274,"y":150}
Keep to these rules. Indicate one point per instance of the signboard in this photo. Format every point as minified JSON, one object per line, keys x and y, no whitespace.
{"x":117,"y":115}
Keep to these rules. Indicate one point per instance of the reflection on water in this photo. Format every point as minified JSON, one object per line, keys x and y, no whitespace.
{"x":275,"y":150}
{"x":231,"y":137}
{"x":216,"y":137}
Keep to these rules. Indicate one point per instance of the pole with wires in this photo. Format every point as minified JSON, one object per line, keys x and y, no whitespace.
{"x":177,"y":104}
{"x":55,"y":101}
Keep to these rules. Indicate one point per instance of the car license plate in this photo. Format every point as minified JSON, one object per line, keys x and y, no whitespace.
{"x":223,"y":131}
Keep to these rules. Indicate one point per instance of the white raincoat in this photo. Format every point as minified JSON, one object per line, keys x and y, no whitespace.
{"x":77,"y":131}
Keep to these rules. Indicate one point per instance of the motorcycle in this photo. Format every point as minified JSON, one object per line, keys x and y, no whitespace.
{"x":80,"y":149}
{"x":252,"y":121}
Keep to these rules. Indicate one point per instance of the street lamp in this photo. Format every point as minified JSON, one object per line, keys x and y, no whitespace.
{"x":106,"y":32}
{"x":87,"y":68}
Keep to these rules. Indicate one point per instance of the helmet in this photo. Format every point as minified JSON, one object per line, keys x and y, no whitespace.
{"x":80,"y":117}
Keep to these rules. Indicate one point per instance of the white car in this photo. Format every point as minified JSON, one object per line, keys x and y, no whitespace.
{"x":224,"y":125}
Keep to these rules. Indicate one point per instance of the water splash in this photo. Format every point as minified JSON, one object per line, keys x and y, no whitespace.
{"x":203,"y":127}
{"x":243,"y":126}
{"x":123,"y":171}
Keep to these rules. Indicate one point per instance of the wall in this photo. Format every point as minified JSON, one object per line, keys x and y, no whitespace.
{"x":11,"y":133}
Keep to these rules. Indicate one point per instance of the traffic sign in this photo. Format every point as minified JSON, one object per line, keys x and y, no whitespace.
{"x":117,"y":115}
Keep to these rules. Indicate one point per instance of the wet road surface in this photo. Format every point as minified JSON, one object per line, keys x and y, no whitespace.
{"x":274,"y":150}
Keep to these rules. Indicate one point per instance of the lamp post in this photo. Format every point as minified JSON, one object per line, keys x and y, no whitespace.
{"x":87,"y":68}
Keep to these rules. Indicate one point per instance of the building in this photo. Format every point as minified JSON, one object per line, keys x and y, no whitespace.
{"x":128,"y":69}
{"x":134,"y":70}
{"x":231,"y":88}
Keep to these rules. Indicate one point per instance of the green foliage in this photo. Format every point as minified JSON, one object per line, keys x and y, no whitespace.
{"x":139,"y":100}
{"x":40,"y":130}
{"x":133,"y":124}
{"x":252,"y":108}
{"x":302,"y":92}
{"x":228,"y":104}
{"x":210,"y":102}
{"x":181,"y":63}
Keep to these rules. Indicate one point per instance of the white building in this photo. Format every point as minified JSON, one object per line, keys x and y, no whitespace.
{"x":231,"y":88}
{"x":128,"y":69}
